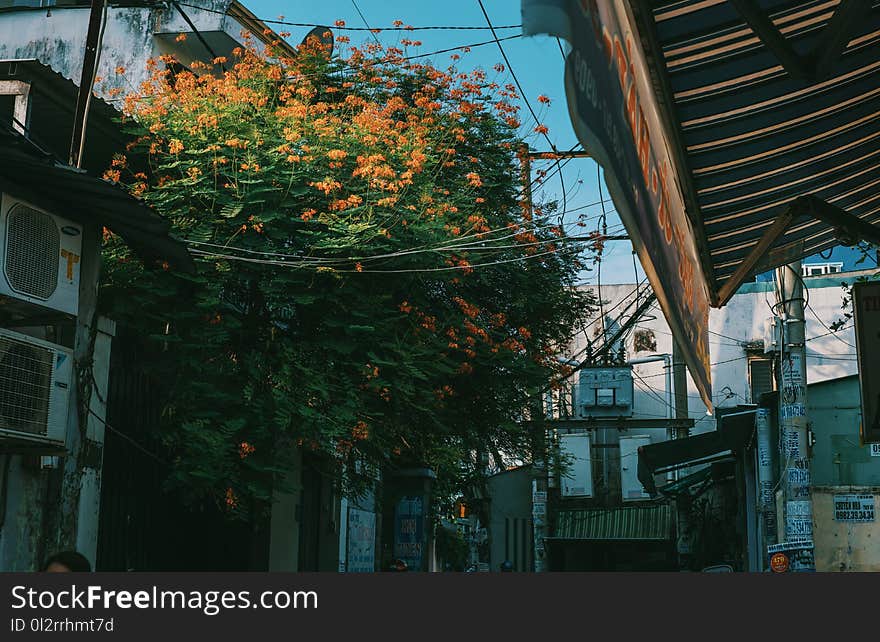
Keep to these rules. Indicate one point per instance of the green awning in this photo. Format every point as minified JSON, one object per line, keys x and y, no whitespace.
{"x":624,"y":523}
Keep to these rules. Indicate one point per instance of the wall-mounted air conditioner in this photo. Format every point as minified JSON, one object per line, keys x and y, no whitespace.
{"x":39,"y":256}
{"x":35,"y":382}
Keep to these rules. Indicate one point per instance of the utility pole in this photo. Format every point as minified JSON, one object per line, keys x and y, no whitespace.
{"x":86,"y":81}
{"x":793,"y":421}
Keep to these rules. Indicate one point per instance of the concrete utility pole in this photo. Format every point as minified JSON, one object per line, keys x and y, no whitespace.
{"x":86,"y":83}
{"x":793,"y":421}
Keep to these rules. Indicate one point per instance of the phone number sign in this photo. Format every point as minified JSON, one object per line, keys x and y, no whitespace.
{"x":854,"y":508}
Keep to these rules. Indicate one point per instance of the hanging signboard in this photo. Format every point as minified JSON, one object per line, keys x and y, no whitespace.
{"x":866,"y":312}
{"x":616,"y":119}
{"x":854,"y":508}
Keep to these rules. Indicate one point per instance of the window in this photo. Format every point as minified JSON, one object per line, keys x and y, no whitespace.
{"x":760,"y":377}
{"x":644,"y":341}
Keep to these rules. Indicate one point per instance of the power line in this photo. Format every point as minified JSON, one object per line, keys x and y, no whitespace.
{"x":344,"y":28}
{"x":367,"y":24}
{"x":522,"y":93}
{"x":830,"y":331}
{"x":122,"y":435}
{"x":447,"y":245}
{"x":460,"y":47}
{"x":819,"y":336}
{"x":289,"y":264}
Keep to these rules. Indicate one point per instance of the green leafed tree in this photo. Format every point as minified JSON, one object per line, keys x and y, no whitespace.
{"x":370,"y":285}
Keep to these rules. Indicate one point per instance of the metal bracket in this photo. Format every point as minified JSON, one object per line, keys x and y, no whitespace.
{"x":817,"y":63}
{"x":848,"y":228}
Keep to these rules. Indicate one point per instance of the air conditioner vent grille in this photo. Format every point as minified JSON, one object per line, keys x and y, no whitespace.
{"x":33,"y":246}
{"x":25,"y":385}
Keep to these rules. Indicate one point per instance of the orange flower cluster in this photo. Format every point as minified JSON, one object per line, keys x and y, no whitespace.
{"x":245,"y":449}
{"x":360,"y":431}
{"x":470,"y":310}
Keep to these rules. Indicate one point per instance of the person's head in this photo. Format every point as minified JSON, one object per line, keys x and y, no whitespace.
{"x":506,"y":566}
{"x":67,"y":562}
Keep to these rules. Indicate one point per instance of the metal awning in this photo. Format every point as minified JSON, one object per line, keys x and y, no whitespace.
{"x":735,"y":135}
{"x":734,"y":432}
{"x":635,"y":523}
{"x":766,"y":101}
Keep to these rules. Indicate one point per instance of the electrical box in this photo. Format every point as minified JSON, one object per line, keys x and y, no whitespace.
{"x":771,"y":334}
{"x":576,"y":480}
{"x":605,"y":392}
{"x":630,"y":487}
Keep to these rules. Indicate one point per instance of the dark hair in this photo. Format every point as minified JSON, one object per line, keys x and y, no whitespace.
{"x":76,"y":562}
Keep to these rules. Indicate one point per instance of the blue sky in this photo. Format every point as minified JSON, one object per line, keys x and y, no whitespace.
{"x":536,"y":61}
{"x":539,"y":67}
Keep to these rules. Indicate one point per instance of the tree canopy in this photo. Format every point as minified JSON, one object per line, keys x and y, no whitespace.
{"x":370,"y":285}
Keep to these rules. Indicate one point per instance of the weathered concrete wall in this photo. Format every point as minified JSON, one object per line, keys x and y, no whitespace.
{"x":21,"y":543}
{"x":844,"y":546}
{"x":58,"y":40}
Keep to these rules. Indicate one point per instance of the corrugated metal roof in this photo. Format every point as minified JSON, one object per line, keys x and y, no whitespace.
{"x":31,"y":174}
{"x":623,"y":523}
{"x":760,"y":119}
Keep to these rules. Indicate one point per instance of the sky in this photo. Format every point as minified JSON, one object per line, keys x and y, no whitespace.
{"x":537,"y":63}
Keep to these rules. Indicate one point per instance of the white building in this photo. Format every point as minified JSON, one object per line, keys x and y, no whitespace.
{"x":739,"y":333}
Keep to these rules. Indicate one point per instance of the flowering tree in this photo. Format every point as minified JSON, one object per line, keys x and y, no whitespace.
{"x":369,"y":284}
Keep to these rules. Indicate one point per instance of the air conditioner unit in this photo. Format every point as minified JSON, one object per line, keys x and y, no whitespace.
{"x":39,"y":256}
{"x":35,"y":381}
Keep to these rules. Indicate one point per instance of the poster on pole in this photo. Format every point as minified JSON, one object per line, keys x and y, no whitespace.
{"x":866,"y":313}
{"x":361,"y":556}
{"x":409,"y":517}
{"x":795,"y":556}
{"x":616,"y":118}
